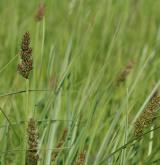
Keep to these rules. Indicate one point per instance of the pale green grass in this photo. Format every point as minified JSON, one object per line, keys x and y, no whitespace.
{"x":79,"y":49}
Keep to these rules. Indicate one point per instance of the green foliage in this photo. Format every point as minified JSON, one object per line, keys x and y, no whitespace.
{"x":80,"y":48}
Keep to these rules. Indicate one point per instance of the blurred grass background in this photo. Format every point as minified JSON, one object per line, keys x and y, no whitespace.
{"x":79,"y":49}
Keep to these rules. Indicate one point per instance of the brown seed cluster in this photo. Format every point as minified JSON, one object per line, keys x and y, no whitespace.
{"x":81,"y":158}
{"x":59,"y":145}
{"x":40,"y":12}
{"x":26,"y":64}
{"x":32,"y":154}
{"x":147,"y":116}
{"x":125,"y":72}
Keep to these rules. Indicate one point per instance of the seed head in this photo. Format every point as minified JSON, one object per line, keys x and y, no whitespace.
{"x":59,"y":145}
{"x":40,"y":12}
{"x":81,"y":158}
{"x":125,"y":72}
{"x":32,"y":143}
{"x":147,"y":117}
{"x":26,"y":64}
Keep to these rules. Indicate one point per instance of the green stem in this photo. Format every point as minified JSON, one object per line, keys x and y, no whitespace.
{"x":151,"y":142}
{"x":27,"y":99}
{"x":10,"y":124}
{"x":23,"y":91}
{"x":4,"y":67}
{"x":26,"y":118}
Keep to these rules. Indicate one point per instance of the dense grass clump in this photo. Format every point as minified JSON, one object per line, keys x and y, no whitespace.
{"x":87,"y":87}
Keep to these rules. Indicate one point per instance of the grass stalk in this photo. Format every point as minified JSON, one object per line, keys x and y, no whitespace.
{"x":26,"y":119}
{"x":27,"y":98}
{"x":151,"y":141}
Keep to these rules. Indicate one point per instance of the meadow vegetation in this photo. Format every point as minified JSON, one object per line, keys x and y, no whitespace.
{"x":79,"y":82}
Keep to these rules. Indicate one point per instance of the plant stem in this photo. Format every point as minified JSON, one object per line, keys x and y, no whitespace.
{"x":27,"y":99}
{"x":26,"y":119}
{"x":151,"y":142}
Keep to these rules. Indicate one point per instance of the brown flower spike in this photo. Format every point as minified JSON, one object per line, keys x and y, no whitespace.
{"x":81,"y":158}
{"x":26,"y":64}
{"x":40,"y":12}
{"x":147,"y":116}
{"x":125,"y":72}
{"x":59,"y":145}
{"x":32,"y":154}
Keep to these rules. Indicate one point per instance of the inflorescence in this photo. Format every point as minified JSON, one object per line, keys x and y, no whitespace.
{"x":32,"y":143}
{"x":147,"y":117}
{"x":26,"y":64}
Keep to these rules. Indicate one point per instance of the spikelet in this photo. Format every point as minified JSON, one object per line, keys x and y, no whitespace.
{"x":26,"y":64}
{"x":32,"y":155}
{"x":40,"y":12}
{"x":125,"y":72}
{"x":81,"y":158}
{"x":147,"y":117}
{"x":59,"y":145}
